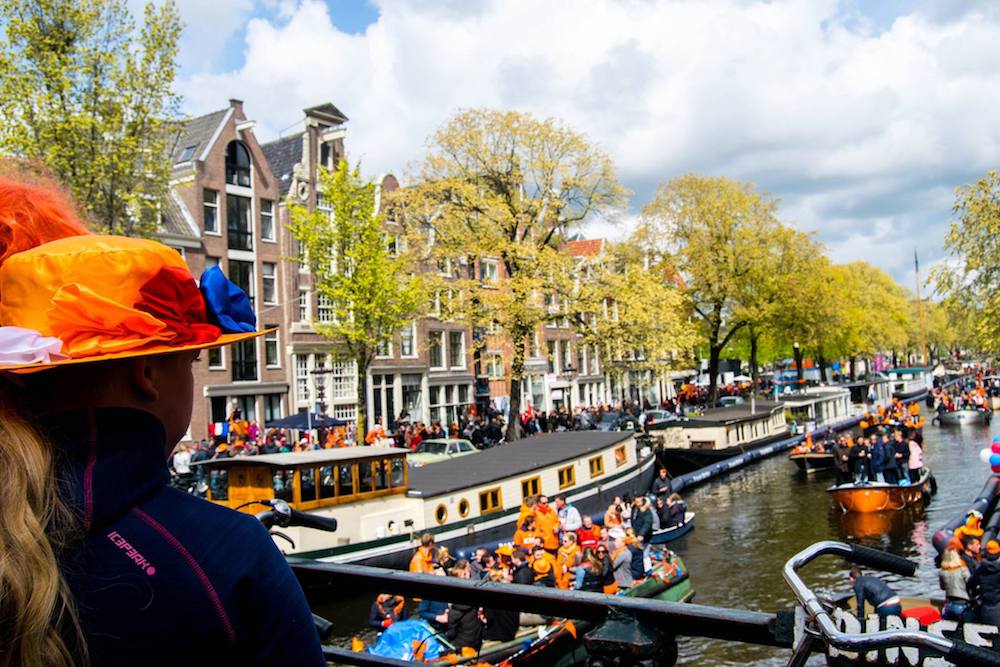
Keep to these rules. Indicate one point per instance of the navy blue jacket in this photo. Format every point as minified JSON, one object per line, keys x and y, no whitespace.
{"x":871,"y":589}
{"x":161,"y":577}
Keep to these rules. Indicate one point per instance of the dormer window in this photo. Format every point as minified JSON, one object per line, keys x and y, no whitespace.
{"x":237,"y":164}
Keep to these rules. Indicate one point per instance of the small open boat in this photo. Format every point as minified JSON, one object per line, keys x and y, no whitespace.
{"x":966,"y":416}
{"x":812,"y":461}
{"x":665,"y":535}
{"x":880,"y":497}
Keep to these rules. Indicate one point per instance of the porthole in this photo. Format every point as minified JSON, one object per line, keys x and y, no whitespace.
{"x":463,"y":507}
{"x":441,"y":514}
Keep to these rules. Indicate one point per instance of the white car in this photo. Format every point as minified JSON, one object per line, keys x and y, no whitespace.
{"x":440,"y":449}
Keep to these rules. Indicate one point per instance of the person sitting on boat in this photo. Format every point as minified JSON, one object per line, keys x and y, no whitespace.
{"x":386,"y":610}
{"x":567,"y":560}
{"x":543,"y":568}
{"x":841,"y":461}
{"x":425,"y":556}
{"x":861,"y":461}
{"x":613,"y":519}
{"x":901,"y":456}
{"x":482,"y":562}
{"x":445,"y":559}
{"x":526,"y":533}
{"x":661,"y":484}
{"x":588,"y":535}
{"x":501,"y":624}
{"x":621,"y":562}
{"x":871,"y":589}
{"x":984,"y":586}
{"x":569,"y":516}
{"x":547,"y":524}
{"x":465,"y":622}
{"x":676,"y":511}
{"x":592,"y":573}
{"x":432,"y":611}
{"x":954,"y":577}
{"x":521,"y":572}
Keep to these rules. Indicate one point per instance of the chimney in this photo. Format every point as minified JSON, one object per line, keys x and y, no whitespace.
{"x":236,"y":104}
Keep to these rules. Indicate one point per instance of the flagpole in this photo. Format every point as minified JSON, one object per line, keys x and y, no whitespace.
{"x":920,"y":309}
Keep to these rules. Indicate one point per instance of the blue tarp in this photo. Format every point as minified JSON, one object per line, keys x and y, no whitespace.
{"x":404,"y":639}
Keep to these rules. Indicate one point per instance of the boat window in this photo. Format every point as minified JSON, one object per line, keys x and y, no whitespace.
{"x":308,"y":484}
{"x":463,"y":507}
{"x":327,"y":482}
{"x":441,"y":514}
{"x":398,"y":466}
{"x":596,"y":466}
{"x":365,"y":477}
{"x":218,"y":482}
{"x":530,"y":487}
{"x":621,"y":458}
{"x":282,"y":482}
{"x":567,"y":477}
{"x":381,"y":474}
{"x":345,"y":480}
{"x":490,"y":501}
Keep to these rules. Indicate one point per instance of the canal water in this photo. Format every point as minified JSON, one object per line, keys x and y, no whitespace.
{"x":751,"y":521}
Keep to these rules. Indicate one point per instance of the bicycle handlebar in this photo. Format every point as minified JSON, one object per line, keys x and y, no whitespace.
{"x":282,"y":515}
{"x":955,"y":650}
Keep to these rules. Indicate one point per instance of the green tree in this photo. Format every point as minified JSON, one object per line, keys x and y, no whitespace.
{"x":718,"y":233}
{"x":367,"y":279}
{"x":90,"y":97}
{"x":970,"y":282}
{"x":505,"y":187}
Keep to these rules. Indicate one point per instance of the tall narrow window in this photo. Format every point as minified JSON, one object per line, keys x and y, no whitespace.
{"x":240,"y":231}
{"x":456,"y":349}
{"x":407,"y":341}
{"x":267,"y":219}
{"x":325,"y":309}
{"x":210,"y":211}
{"x":237,"y":164}
{"x":302,"y":377}
{"x":552,"y":357}
{"x":244,"y":360}
{"x":241,"y":273}
{"x":271,"y":358}
{"x":269,"y":282}
{"x":303,"y":305}
{"x":435,"y":350}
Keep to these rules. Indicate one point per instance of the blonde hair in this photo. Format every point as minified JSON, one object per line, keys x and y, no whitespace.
{"x":950,"y":560}
{"x":38,"y":621}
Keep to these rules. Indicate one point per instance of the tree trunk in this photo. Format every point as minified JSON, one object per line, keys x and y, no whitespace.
{"x":822,"y":368}
{"x":754,"y":337}
{"x":362,"y":409}
{"x":514,"y":430}
{"x":798,"y":366}
{"x":895,"y":359}
{"x":854,"y":368}
{"x":714,"y":351}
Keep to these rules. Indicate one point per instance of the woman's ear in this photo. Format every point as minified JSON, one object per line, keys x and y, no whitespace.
{"x":143,"y":378}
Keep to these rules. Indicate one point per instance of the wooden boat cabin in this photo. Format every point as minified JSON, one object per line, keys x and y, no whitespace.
{"x":859,"y":393}
{"x":724,"y":428}
{"x":309,"y":480}
{"x":910,"y":383}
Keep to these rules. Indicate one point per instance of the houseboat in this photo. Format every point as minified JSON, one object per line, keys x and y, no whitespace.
{"x":910,"y":384}
{"x":685,"y":445}
{"x":816,"y":407}
{"x":383,"y":506}
{"x":871,"y":394}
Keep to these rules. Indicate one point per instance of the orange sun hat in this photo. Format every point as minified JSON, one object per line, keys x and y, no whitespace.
{"x":85,"y":298}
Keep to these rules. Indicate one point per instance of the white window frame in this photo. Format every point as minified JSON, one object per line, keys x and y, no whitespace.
{"x":387,"y":347}
{"x":273,"y":238}
{"x":412,"y":328}
{"x":263,"y":282}
{"x":461,"y":357}
{"x":325,"y":304}
{"x":301,"y":377}
{"x":494,"y":363}
{"x":494,"y":273}
{"x":218,"y":220}
{"x":273,"y":335}
{"x":305,"y":294}
{"x":222,"y":360}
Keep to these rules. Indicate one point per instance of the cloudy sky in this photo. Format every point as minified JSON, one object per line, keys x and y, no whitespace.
{"x":862,"y":116}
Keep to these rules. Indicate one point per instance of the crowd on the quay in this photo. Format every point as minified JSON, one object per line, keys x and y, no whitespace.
{"x":555,"y":546}
{"x":887,"y":448}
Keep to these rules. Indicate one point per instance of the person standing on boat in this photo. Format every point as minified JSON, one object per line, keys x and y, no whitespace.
{"x":569,"y":516}
{"x":642,"y":523}
{"x":424,"y":557}
{"x":547,"y":524}
{"x":984,"y":585}
{"x":916,"y":460}
{"x":841,"y":461}
{"x":871,"y":589}
{"x":954,"y":577}
{"x":102,"y":561}
{"x":880,"y":456}
{"x":861,"y":460}
{"x":901,"y":456}
{"x":661,"y":484}
{"x":621,"y":563}
{"x":588,"y":535}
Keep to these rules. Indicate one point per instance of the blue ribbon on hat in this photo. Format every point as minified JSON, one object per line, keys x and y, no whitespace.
{"x":227,"y":306}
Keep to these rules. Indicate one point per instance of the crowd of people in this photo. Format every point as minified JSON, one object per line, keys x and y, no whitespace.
{"x":554,"y":545}
{"x":970,"y":574}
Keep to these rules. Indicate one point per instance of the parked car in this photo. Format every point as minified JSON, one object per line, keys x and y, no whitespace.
{"x":658,"y":416}
{"x":440,"y":449}
{"x":729,"y":401}
{"x":618,"y":421}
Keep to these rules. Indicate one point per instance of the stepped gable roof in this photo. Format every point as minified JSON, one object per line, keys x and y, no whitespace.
{"x":584,"y":247}
{"x":510,"y":460}
{"x":195,"y":135}
{"x":282,"y":155}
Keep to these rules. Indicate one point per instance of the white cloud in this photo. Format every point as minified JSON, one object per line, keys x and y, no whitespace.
{"x":862,"y":134}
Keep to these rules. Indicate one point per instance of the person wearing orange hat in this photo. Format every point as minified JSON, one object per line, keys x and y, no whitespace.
{"x":984,"y":585}
{"x":98,"y":335}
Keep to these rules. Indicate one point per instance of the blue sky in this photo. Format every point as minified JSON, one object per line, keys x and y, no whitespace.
{"x":862,"y":116}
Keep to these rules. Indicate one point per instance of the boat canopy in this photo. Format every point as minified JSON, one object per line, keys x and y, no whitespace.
{"x":308,"y":480}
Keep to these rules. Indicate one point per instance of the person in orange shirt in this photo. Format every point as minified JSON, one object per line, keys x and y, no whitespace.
{"x":526,"y":533}
{"x":566,"y":561}
{"x":423,"y":558}
{"x":527,"y":509}
{"x":547,"y":524}
{"x":376,"y":433}
{"x":613,"y":517}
